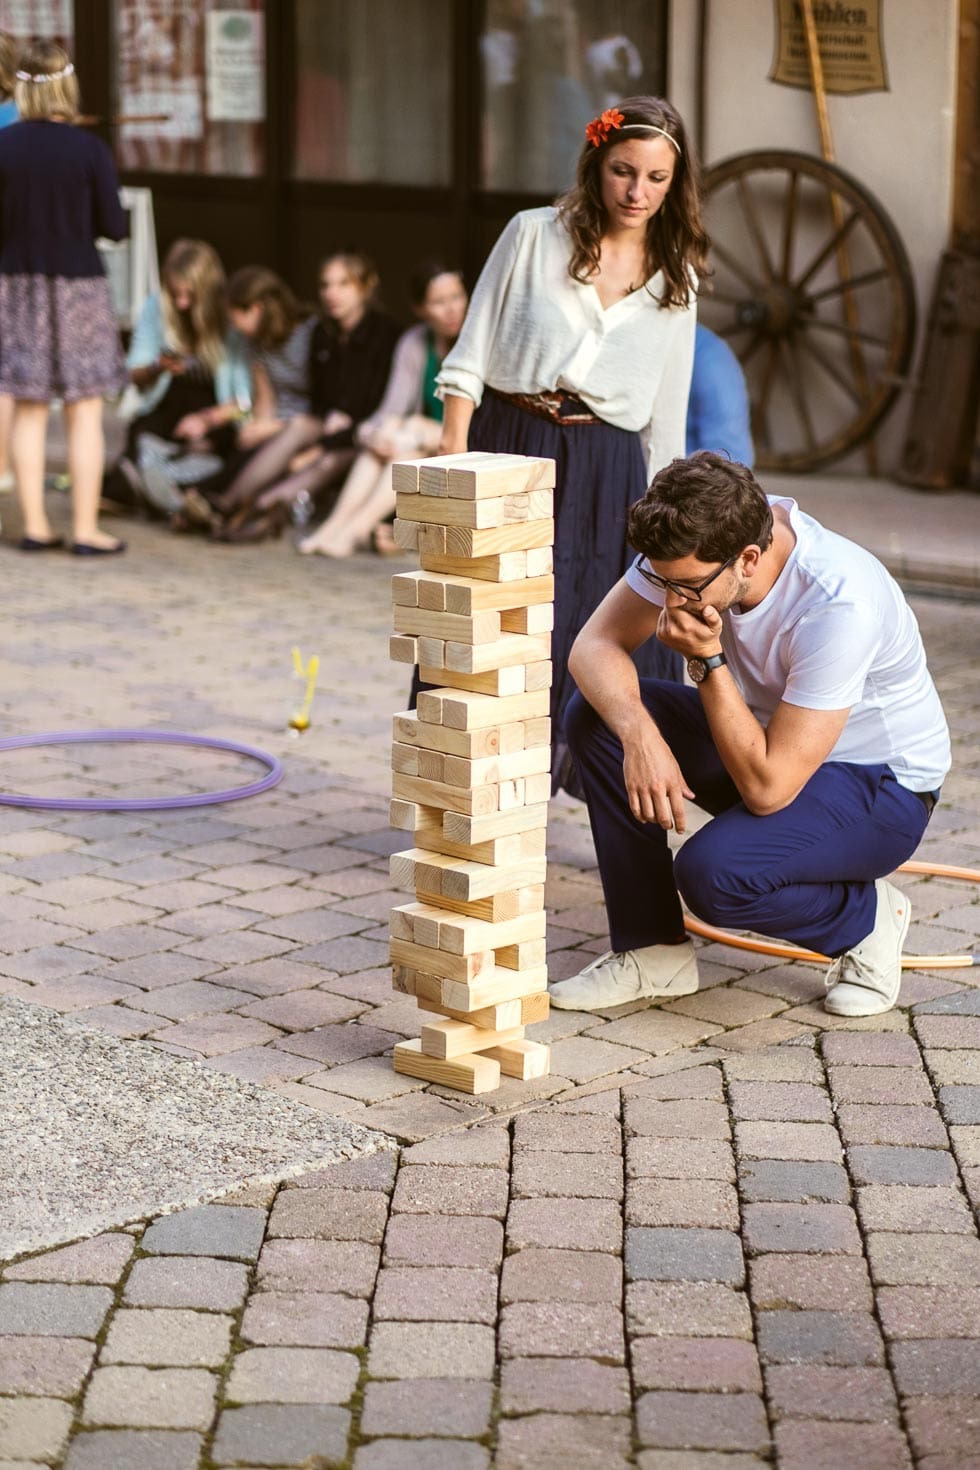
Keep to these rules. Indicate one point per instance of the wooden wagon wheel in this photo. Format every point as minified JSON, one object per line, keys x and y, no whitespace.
{"x":821,"y":316}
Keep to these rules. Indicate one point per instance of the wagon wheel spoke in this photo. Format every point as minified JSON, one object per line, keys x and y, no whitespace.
{"x":760,"y":409}
{"x":817,"y":323}
{"x":736,"y":268}
{"x":791,"y":364}
{"x":789,"y":225}
{"x":866,"y":278}
{"x":833,"y":244}
{"x":752,"y":349}
{"x":832,"y":370}
{"x":755,"y":228}
{"x":733,"y":329}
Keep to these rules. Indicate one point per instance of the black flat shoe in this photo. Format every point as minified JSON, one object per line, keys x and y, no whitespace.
{"x":31,"y":543}
{"x":84,"y":548}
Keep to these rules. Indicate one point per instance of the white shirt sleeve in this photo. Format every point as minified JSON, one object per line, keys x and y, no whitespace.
{"x":464,"y":371}
{"x":831,"y":651}
{"x":665,"y":437}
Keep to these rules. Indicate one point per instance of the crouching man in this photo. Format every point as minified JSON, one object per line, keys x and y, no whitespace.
{"x":813,"y":735}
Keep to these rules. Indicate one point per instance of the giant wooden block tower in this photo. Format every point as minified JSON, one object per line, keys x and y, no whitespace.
{"x":472,"y":766}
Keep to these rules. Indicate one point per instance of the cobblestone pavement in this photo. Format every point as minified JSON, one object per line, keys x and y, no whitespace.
{"x":726,"y":1232}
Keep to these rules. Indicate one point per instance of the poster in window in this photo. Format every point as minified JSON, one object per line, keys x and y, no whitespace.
{"x":235,"y":66}
{"x":850,"y":41}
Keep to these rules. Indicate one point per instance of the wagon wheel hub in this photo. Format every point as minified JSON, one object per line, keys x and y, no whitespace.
{"x":776,"y":313}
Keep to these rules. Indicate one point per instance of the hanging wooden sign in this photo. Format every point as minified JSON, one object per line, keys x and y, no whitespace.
{"x":850,"y":43}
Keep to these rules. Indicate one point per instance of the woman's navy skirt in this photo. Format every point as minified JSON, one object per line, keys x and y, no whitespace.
{"x":601,"y":471}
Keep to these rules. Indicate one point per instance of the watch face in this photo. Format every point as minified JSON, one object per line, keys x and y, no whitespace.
{"x":697,"y":670}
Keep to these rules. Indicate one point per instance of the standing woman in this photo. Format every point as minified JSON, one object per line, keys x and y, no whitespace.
{"x":578,"y":347}
{"x":58,"y":334}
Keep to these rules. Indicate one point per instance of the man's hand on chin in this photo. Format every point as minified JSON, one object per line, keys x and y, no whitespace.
{"x":693,"y":633}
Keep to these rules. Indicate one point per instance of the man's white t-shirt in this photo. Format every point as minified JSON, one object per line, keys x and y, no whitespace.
{"x":835,"y":632}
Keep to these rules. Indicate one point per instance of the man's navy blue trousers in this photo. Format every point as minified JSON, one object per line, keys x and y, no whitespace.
{"x":804,"y":874}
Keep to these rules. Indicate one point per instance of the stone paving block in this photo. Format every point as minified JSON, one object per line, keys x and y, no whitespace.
{"x":653,"y":1030}
{"x":431,"y":1350}
{"x":707,"y":1203}
{"x":565,"y":1224}
{"x":214,"y":1036}
{"x":781,"y":1102}
{"x":345,"y":955}
{"x":728,"y":1006}
{"x":870,"y":1049}
{"x":48,"y":1366}
{"x":879,"y":1084}
{"x":207,"y":1230}
{"x":444,"y":1408}
{"x":580,"y":1058}
{"x":817,"y":1445}
{"x":424,"y":1189}
{"x":881,"y":1164}
{"x":949,"y":1426}
{"x":561,"y":1329}
{"x":556,"y":1441}
{"x":966,"y":1143}
{"x":950,"y":1032}
{"x":806,"y":1141}
{"x":840,"y":1338}
{"x":122,"y":1449}
{"x":191,"y":1281}
{"x":371,"y":1171}
{"x":34,"y":1428}
{"x":421,"y":1454}
{"x":697,"y":1460}
{"x":484,"y":1146}
{"x":159,"y":970}
{"x":329,"y":1214}
{"x":371,"y":1080}
{"x":167,"y":1337}
{"x":816,"y":1391}
{"x":770,"y":1033}
{"x":444,"y":1240}
{"x":563,"y":1386}
{"x":684,"y":1255}
{"x":960,"y":1104}
{"x":45,"y":1309}
{"x":908,"y":1208}
{"x":263,"y":978}
{"x":566,"y":1133}
{"x":435,"y":1294}
{"x":702,"y":1421}
{"x":193,"y":998}
{"x":346,"y":1266}
{"x":653,"y":1118}
{"x":150,"y":1398}
{"x":336,"y":1045}
{"x":777,"y":1064}
{"x":771,"y":1180}
{"x":292,"y":1375}
{"x":561,"y":1275}
{"x":583,"y":1176}
{"x":955,"y":1066}
{"x":686,"y":1309}
{"x":829,"y":1229}
{"x":99,"y":1261}
{"x":910,"y":1125}
{"x":929,"y":1311}
{"x":301,"y":1010}
{"x":126,"y":941}
{"x":931,"y":1366}
{"x":810,"y":1283}
{"x":705,"y":1364}
{"x":281,"y":1434}
{"x":304,"y":1319}
{"x":679,"y":1158}
{"x":691,"y":1082}
{"x":923,"y":1260}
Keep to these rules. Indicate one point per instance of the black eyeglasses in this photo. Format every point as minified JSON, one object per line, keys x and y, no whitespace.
{"x":691,"y":593}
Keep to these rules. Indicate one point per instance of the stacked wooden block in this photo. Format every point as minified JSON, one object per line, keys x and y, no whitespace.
{"x":472,"y":766}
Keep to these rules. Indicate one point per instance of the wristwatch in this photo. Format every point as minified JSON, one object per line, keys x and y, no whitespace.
{"x":700,"y":668}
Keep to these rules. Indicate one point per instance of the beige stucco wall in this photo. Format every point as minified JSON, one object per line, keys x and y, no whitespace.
{"x":898,"y":143}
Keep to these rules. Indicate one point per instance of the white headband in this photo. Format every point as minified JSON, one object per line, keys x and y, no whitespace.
{"x":67,"y":70}
{"x":650,"y":128}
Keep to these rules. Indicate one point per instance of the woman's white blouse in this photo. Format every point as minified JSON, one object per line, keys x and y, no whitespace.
{"x":531,"y":328}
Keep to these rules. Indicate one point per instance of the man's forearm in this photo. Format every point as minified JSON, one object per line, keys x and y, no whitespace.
{"x":742,"y":744}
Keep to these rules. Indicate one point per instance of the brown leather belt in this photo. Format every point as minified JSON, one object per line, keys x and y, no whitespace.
{"x":560,"y":408}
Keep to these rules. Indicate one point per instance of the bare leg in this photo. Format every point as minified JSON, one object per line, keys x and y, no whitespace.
{"x":86,"y":461}
{"x":6,"y":424}
{"x":326,"y":467}
{"x":268,"y":464}
{"x":27,"y":438}
{"x":366,"y":490}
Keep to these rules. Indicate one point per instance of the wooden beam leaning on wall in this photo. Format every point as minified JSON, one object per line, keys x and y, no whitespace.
{"x":471,"y":767}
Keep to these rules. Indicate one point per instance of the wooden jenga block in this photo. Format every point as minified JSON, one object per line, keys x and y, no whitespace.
{"x":525,"y":1011}
{"x":461,"y":934}
{"x":463,"y":968}
{"x":434,"y":471}
{"x":404,"y":980}
{"x":406,"y":535}
{"x":459,"y":772}
{"x":538,"y":618}
{"x":403,"y":649}
{"x":482,"y":627}
{"x":496,"y":851}
{"x":469,"y":829}
{"x":405,"y":759}
{"x":508,"y":649}
{"x":408,"y":729}
{"x":466,"y":710}
{"x":498,"y":474}
{"x":537,"y":676}
{"x":430,"y":872}
{"x":531,"y":505}
{"x":527,"y":955}
{"x":467,"y":595}
{"x":472,"y":1073}
{"x":432,"y":594}
{"x":522,"y":1059}
{"x":498,"y":906}
{"x":465,"y":541}
{"x":496,"y":683}
{"x":405,"y":589}
{"x":432,"y":652}
{"x":476,"y":514}
{"x":456,"y":1038}
{"x":407,"y":475}
{"x":511,"y":566}
{"x":432,"y":764}
{"x":481,"y":800}
{"x":537,"y":789}
{"x":492,"y":987}
{"x":540,"y":562}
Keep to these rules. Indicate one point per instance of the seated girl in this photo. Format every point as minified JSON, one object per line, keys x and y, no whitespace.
{"x":349,"y":357}
{"x":408,"y":420}
{"x":189,"y":379}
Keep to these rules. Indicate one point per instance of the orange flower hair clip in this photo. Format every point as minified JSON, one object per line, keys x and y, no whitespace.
{"x":600,"y":127}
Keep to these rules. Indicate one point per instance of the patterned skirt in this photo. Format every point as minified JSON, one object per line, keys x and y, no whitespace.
{"x":59,"y":338}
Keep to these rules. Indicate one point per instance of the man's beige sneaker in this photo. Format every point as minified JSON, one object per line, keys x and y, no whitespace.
{"x":660,"y":970}
{"x":866,"y":980}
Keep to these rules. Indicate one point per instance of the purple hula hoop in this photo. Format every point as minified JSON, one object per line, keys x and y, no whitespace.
{"x":272,"y":777}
